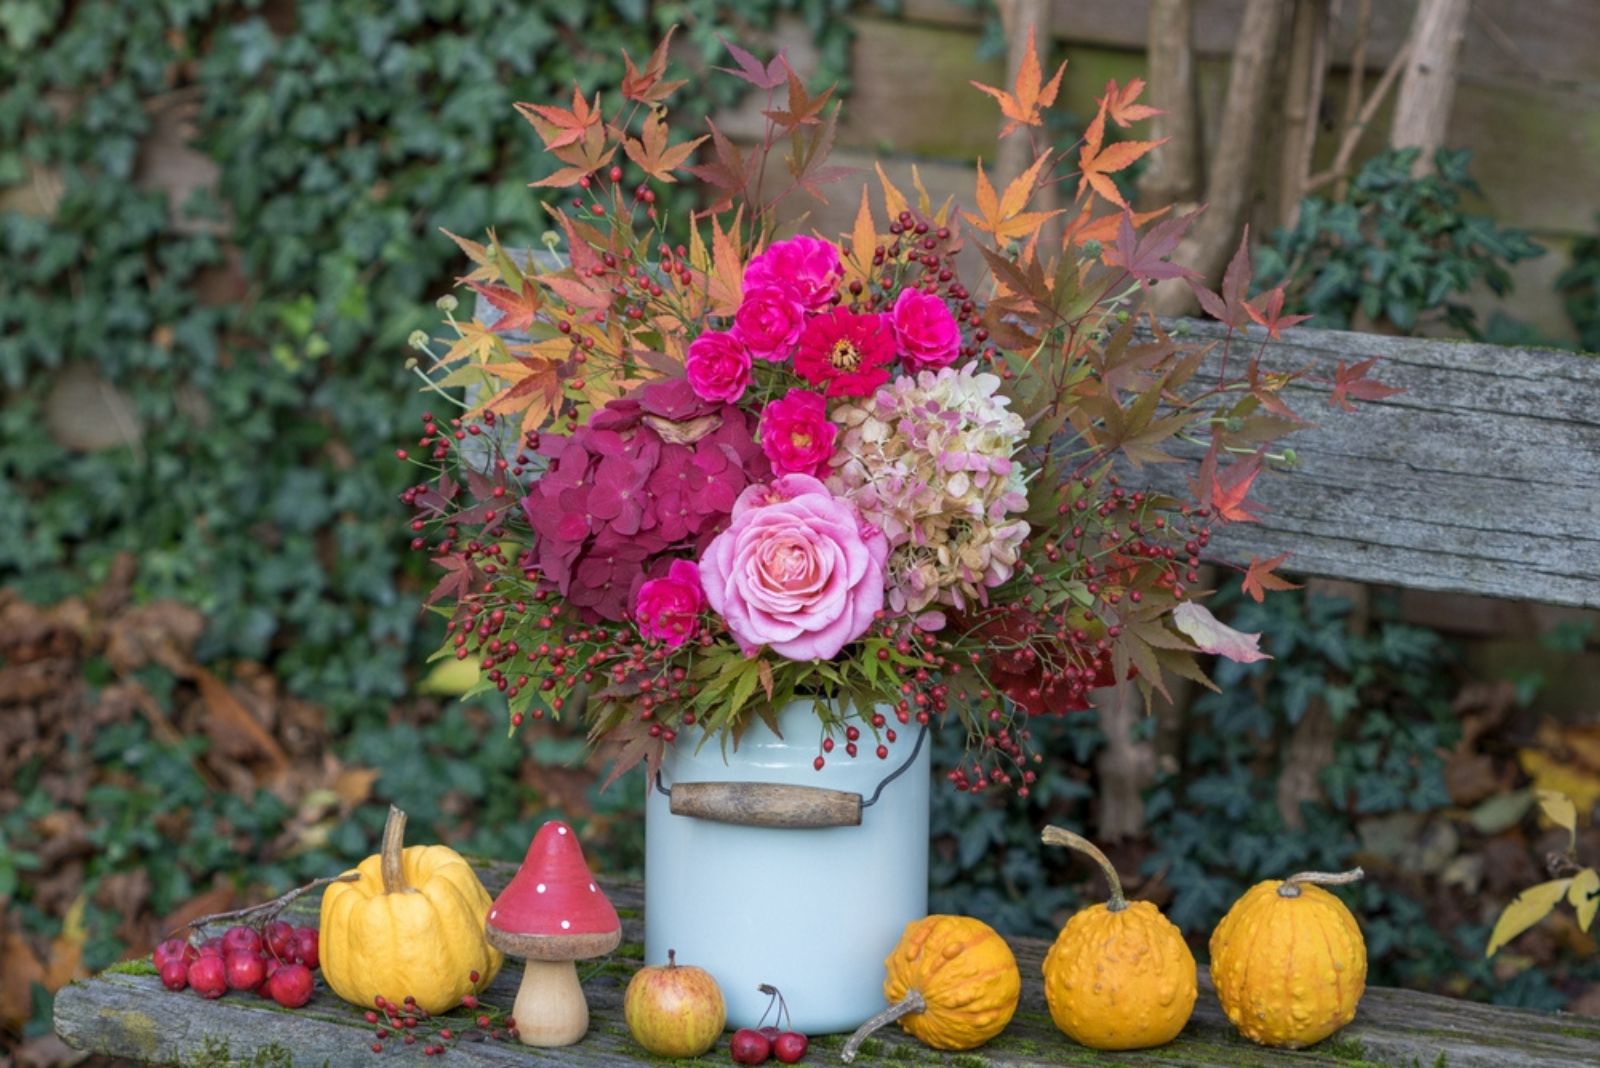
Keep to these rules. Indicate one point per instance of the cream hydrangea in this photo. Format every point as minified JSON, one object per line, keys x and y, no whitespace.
{"x":929,"y":461}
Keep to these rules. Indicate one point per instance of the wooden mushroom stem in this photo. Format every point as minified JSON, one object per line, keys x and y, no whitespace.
{"x":912,"y":1002}
{"x":550,"y":1009}
{"x":1060,"y":836}
{"x":392,"y":861}
{"x":1290,"y":887}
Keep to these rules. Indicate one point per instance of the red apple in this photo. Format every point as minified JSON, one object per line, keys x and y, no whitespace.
{"x":241,"y":940}
{"x":173,"y":949}
{"x":291,"y":985}
{"x":175,"y":975}
{"x":212,"y":947}
{"x":245,"y":971}
{"x":303,"y":947}
{"x":209,"y":977}
{"x":279,"y":937}
{"x":748,"y":1046}
{"x":674,"y":1011}
{"x":789,"y":1047}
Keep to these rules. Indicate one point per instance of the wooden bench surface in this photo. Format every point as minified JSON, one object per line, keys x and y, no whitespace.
{"x":131,"y":1016}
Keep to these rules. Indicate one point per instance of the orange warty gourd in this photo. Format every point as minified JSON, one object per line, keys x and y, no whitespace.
{"x":411,"y":925}
{"x":1288,"y":961}
{"x":1120,"y":975}
{"x":952,"y":983}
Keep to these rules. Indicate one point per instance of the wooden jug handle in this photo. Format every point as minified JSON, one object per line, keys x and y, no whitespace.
{"x":762,"y":804}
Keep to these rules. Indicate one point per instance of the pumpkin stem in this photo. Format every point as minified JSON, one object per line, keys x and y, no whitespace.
{"x":672,"y":958}
{"x":1062,"y":837}
{"x":912,"y":1002}
{"x":1291,"y":886}
{"x":392,"y":858}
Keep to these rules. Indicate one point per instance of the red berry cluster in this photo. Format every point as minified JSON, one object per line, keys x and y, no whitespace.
{"x":406,"y":1023}
{"x":753,"y":1045}
{"x":276,"y":962}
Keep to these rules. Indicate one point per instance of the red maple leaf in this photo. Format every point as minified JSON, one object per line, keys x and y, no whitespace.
{"x":646,"y":86}
{"x":1147,"y":259}
{"x":559,"y":126}
{"x":1225,"y":491}
{"x":1267,"y":309}
{"x":519,"y":308}
{"x":1229,"y":308}
{"x":1353,"y":382}
{"x":461,"y":577}
{"x":1259,"y":578}
{"x":751,"y":69}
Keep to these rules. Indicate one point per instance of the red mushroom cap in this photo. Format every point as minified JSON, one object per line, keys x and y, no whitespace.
{"x":553,"y":909}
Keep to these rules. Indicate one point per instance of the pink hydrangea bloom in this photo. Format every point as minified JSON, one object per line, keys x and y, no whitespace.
{"x":809,"y":266}
{"x":768,"y":322}
{"x":796,"y":434}
{"x":802,"y":574}
{"x":925,"y":331}
{"x":717,"y":366}
{"x":668,"y":608}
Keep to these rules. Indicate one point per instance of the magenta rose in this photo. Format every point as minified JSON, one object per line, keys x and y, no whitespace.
{"x":668,"y":609}
{"x":796,"y":434}
{"x":808,"y":266}
{"x":925,"y":331}
{"x":717,"y":366}
{"x":800,"y":574}
{"x":768,"y":322}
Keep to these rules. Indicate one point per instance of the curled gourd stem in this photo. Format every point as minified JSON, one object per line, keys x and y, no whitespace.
{"x":1291,"y":886}
{"x":912,"y":1002}
{"x":391,"y":861}
{"x":1062,"y":837}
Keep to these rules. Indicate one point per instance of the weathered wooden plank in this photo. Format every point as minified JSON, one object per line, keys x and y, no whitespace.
{"x":1482,"y":477}
{"x":130,"y":1016}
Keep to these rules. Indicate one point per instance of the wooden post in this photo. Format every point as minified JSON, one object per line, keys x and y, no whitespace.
{"x":1302,"y":104}
{"x":1428,"y":87}
{"x":1173,"y":174}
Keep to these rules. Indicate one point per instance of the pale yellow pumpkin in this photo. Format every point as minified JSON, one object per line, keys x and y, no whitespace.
{"x":1288,"y":961}
{"x":1120,"y":975}
{"x":952,"y":983}
{"x":411,"y":925}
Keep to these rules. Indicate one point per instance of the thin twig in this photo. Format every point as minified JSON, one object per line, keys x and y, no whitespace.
{"x":1352,"y":136}
{"x":267,"y":910}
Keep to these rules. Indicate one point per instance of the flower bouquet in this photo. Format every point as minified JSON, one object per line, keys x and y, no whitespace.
{"x":711,"y":471}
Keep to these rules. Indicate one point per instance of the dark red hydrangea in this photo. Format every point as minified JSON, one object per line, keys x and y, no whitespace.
{"x":648,"y":478}
{"x":1017,"y":670}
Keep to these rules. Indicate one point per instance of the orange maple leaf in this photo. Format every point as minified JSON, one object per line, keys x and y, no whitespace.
{"x":1024,"y":104}
{"x":559,"y":126}
{"x":1259,"y":578}
{"x":1002,"y":215}
{"x":517,"y":309}
{"x":1120,"y":106}
{"x":1085,"y":228}
{"x":646,"y":86}
{"x":652,"y":153}
{"x":1098,"y":161}
{"x":582,"y":159}
{"x":534,"y":389}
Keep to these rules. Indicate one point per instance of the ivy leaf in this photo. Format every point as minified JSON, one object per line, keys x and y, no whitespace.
{"x":1258,"y":579}
{"x":1527,"y":909}
{"x":652,"y":153}
{"x":646,"y":86}
{"x":1214,"y":636}
{"x":1028,"y":96}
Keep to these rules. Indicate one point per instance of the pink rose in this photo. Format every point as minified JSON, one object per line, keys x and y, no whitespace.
{"x":809,"y":266}
{"x":796,"y":434}
{"x":668,"y":609}
{"x":925,"y":331}
{"x":717,"y":366}
{"x":801,"y":575}
{"x":769,"y":321}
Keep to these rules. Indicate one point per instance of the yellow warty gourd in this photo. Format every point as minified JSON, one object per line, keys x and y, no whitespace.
{"x":1288,"y":961}
{"x":410,"y":926}
{"x":952,"y":983}
{"x":1120,"y":975}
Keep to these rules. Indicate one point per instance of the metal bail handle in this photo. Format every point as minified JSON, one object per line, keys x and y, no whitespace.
{"x":778,"y":805}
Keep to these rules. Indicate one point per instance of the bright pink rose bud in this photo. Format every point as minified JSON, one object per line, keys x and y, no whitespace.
{"x":668,"y":609}
{"x":807,"y":265}
{"x":925,"y":331}
{"x":717,"y":366}
{"x":769,"y":321}
{"x":796,"y":434}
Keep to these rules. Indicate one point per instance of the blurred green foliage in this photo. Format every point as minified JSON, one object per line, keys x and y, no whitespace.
{"x":1579,"y":286}
{"x":1398,"y":252}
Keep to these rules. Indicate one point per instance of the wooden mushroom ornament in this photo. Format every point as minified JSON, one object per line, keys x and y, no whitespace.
{"x":551,"y":914}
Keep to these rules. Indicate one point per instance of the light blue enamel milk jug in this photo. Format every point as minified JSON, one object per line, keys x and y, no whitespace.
{"x":761,"y":869}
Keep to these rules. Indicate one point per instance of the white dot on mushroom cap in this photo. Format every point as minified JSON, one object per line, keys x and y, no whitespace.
{"x":565,"y":924}
{"x":561,"y":830}
{"x":540,"y":888}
